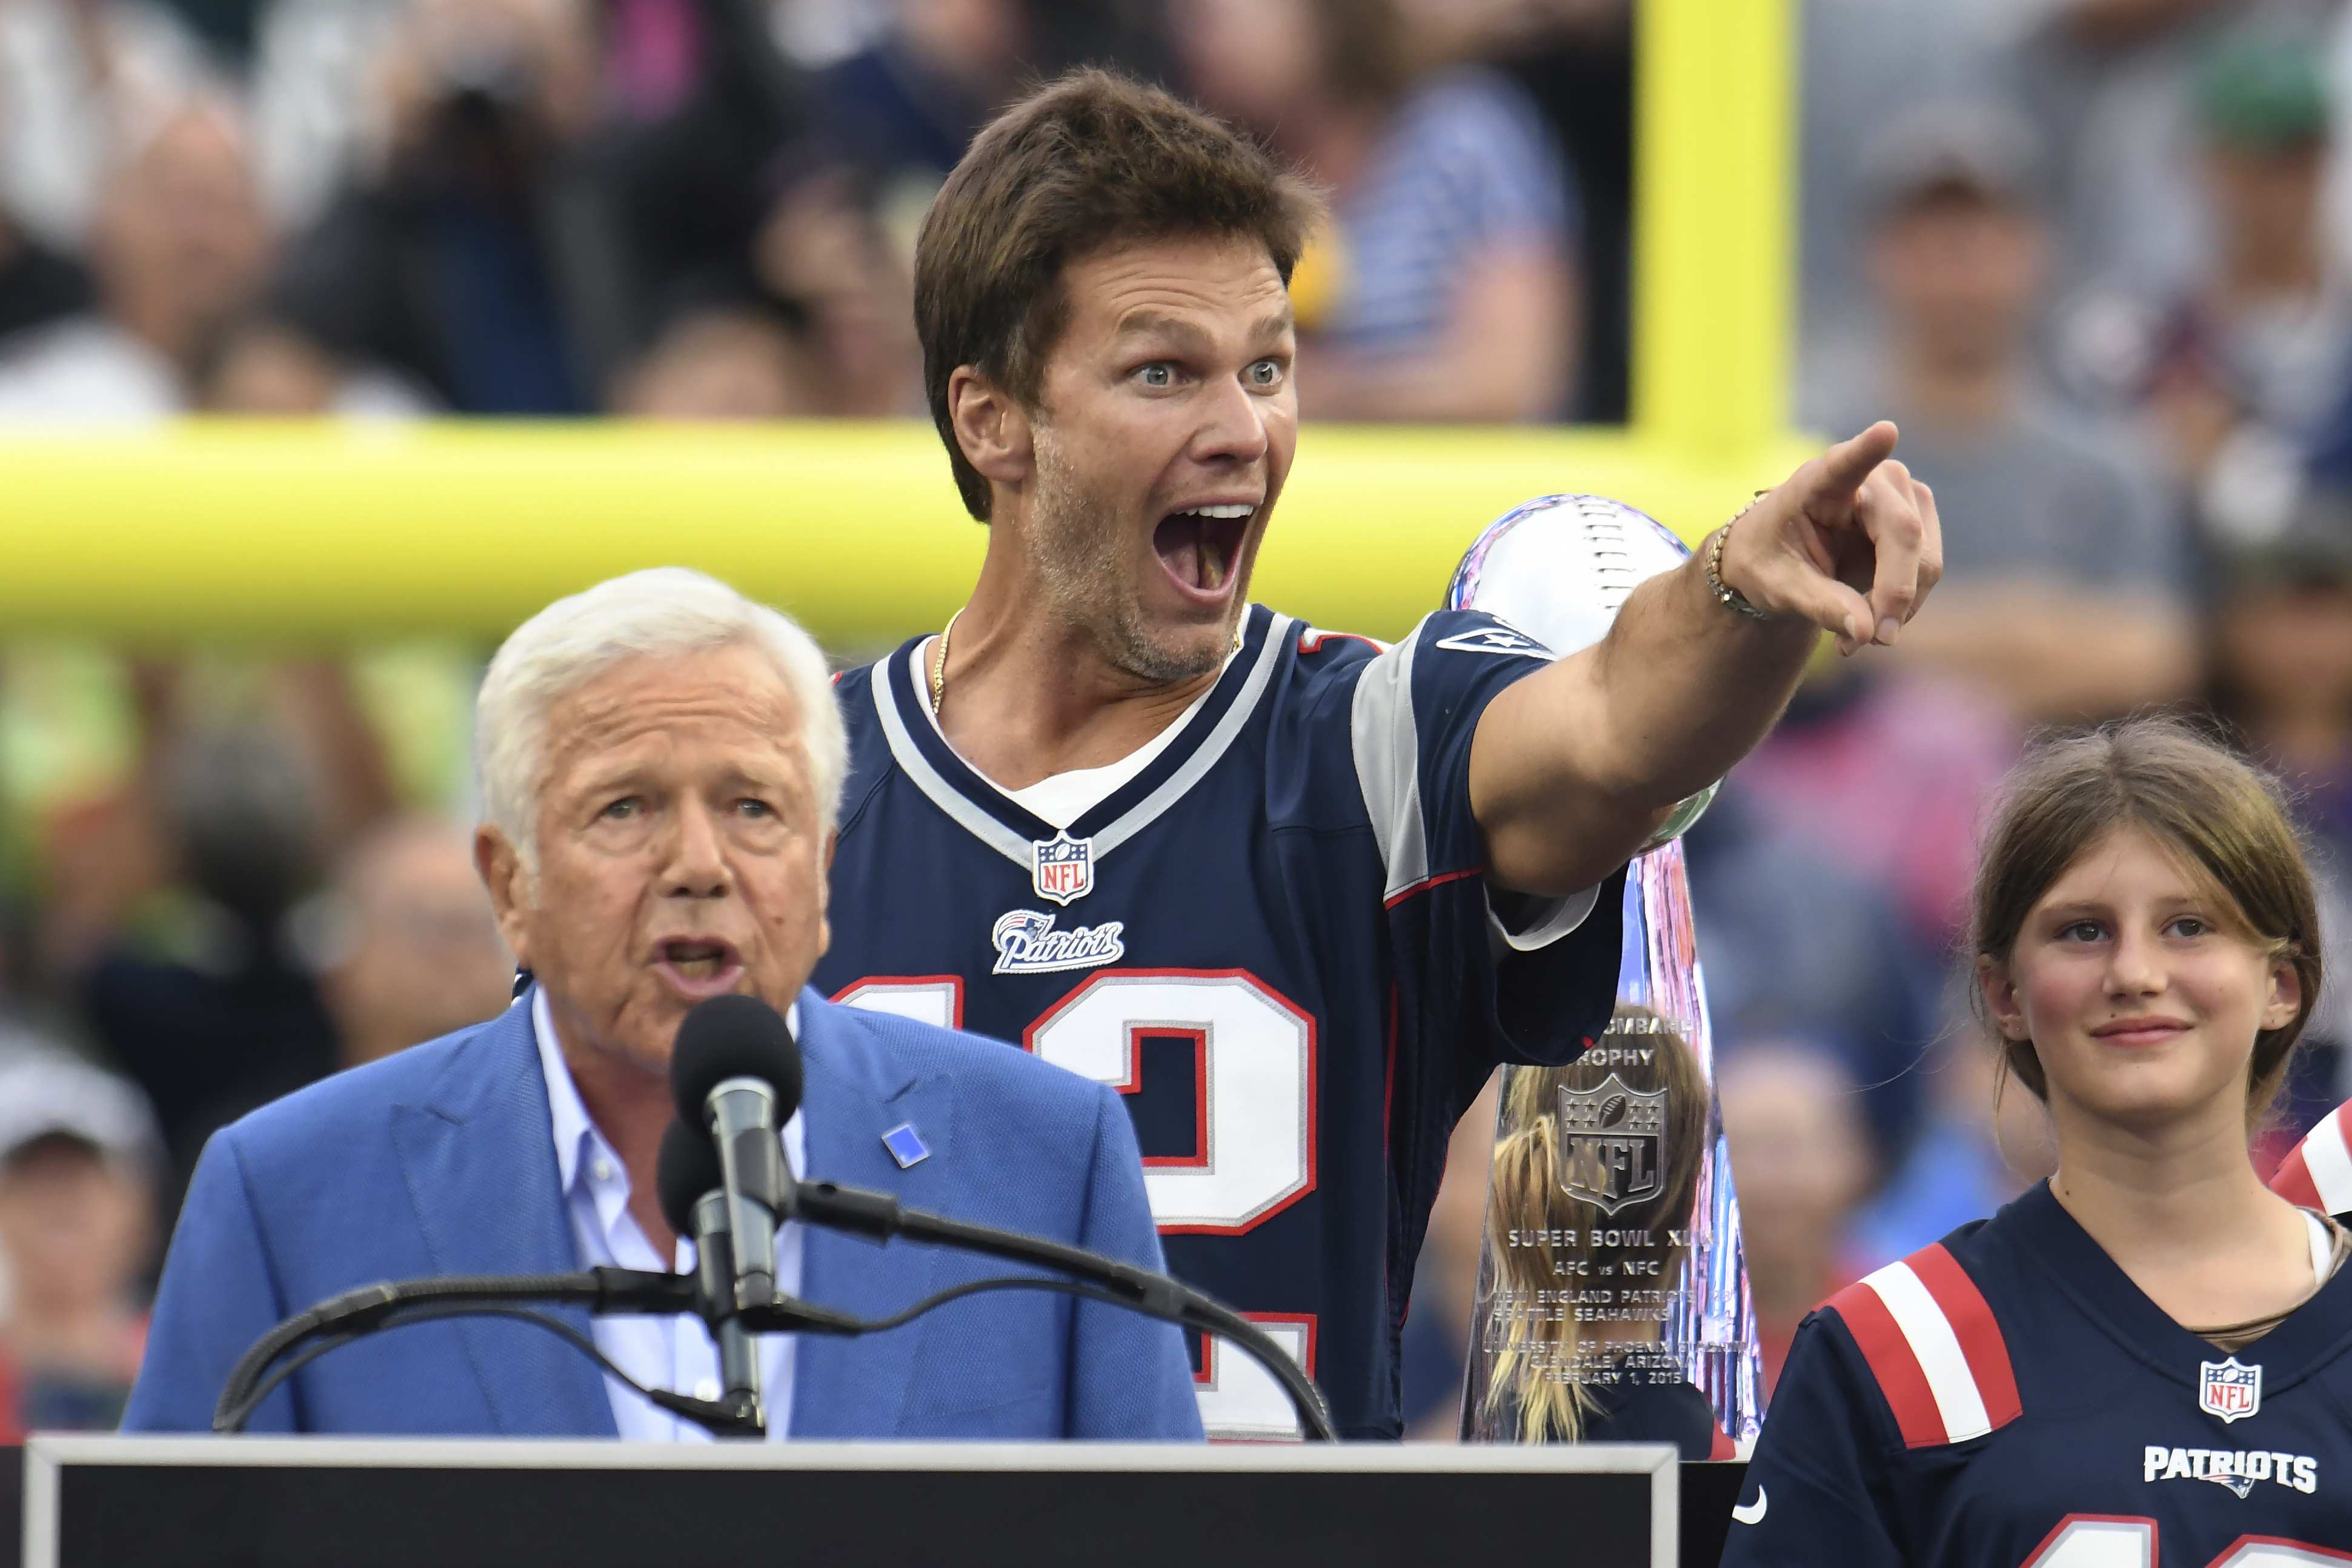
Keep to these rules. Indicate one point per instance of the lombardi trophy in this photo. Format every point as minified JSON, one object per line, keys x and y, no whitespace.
{"x":1612,"y":1293}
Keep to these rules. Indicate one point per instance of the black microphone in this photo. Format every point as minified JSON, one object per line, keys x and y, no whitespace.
{"x":692,"y":1188}
{"x":736,"y":1075}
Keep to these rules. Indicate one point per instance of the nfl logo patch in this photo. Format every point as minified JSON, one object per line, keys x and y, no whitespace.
{"x":2228,"y":1389}
{"x":1064,"y":866}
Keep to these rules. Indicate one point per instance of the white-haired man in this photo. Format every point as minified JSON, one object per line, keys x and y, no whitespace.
{"x":660,"y":763}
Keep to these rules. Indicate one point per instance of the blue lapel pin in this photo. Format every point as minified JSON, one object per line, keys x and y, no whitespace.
{"x":906,"y":1145}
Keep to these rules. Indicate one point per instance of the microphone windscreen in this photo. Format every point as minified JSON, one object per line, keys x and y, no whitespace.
{"x":734,"y":1036}
{"x":686,"y":1168}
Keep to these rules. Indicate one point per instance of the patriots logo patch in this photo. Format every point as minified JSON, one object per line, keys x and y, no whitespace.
{"x":1497,"y":639}
{"x":1027,"y":944}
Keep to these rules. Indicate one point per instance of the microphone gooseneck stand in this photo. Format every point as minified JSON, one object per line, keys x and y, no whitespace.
{"x":371,"y":1308}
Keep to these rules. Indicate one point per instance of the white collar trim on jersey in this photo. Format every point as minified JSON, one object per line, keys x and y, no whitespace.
{"x":891,"y":697}
{"x":1062,"y":798}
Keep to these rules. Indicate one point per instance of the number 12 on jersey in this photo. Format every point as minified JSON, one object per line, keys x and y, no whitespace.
{"x":1251,"y":1150}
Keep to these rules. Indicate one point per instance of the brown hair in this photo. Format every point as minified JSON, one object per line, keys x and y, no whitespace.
{"x":1090,"y":160}
{"x":2223,"y":818}
{"x":1534,"y":1374}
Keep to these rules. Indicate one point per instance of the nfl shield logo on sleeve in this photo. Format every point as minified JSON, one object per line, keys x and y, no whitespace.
{"x":2228,"y":1390}
{"x":1064,"y":866}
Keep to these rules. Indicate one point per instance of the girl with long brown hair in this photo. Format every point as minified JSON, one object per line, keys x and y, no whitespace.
{"x":2143,"y":1361}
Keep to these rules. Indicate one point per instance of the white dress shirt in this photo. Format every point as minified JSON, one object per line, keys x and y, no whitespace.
{"x":676,"y":1353}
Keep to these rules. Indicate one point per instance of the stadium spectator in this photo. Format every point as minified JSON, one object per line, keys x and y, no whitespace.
{"x":174,"y":922}
{"x":1445,"y":287}
{"x":2107,"y":85}
{"x":1574,"y":59}
{"x":1797,"y":945}
{"x":82,"y":83}
{"x":2240,"y":367}
{"x":77,"y":1162}
{"x":2282,"y":679}
{"x":825,"y":248}
{"x":2064,"y":565}
{"x":727,"y":362}
{"x":179,"y":245}
{"x":1865,"y":64}
{"x":216,"y":1012}
{"x":446,"y":267}
{"x":2281,"y":663}
{"x":1801,"y":1161}
{"x":907,"y":107}
{"x":256,"y":365}
{"x":901,"y":109}
{"x":412,"y":951}
{"x":1884,"y":775}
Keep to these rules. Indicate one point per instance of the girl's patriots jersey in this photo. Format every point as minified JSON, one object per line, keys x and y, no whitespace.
{"x":2317,"y":1173}
{"x":1275,"y":940}
{"x":2007,"y":1398}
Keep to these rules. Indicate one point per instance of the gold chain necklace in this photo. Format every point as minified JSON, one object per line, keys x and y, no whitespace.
{"x":940,"y":667}
{"x":939,"y":660}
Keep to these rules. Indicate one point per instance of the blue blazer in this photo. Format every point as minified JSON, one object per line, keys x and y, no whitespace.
{"x":441,"y":1159}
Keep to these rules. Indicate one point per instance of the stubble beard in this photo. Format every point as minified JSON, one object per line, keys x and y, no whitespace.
{"x":1080,"y":559}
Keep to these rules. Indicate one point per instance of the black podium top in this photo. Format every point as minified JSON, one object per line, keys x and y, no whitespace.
{"x":328,"y":1502}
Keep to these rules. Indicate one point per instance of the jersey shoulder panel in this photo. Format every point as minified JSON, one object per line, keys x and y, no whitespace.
{"x":2318,"y":1174}
{"x":1933,"y":1347}
{"x":869,"y":748}
{"x":1413,"y":718}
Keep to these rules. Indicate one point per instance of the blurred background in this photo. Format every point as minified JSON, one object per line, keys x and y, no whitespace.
{"x":2091,"y":255}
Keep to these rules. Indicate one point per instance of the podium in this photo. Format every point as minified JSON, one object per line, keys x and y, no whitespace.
{"x":349,"y":1502}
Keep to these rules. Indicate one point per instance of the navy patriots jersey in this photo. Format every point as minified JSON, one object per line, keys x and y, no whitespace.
{"x":2007,"y":1397}
{"x":1274,"y":941}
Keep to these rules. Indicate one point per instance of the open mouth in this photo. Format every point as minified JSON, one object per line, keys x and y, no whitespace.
{"x":1201,"y":545}
{"x":700,"y":967}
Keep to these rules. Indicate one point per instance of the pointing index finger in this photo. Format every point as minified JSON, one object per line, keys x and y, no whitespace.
{"x":1847,"y":465}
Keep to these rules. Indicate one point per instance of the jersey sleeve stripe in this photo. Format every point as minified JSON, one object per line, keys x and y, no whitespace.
{"x":1888,"y":1352}
{"x":1921,"y":1318}
{"x":2292,"y":1182}
{"x":1975,"y":1327}
{"x":2328,"y":1164}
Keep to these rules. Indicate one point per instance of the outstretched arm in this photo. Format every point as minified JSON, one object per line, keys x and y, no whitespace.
{"x":1575,"y":766}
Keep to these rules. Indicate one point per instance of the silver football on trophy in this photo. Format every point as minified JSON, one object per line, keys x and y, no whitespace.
{"x":1559,"y":568}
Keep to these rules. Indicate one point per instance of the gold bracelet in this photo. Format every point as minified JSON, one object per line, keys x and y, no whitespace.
{"x":1724,"y":593}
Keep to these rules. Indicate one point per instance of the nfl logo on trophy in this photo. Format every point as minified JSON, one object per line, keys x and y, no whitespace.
{"x":2229,"y":1389}
{"x":1615,"y":1140}
{"x":1064,"y":866}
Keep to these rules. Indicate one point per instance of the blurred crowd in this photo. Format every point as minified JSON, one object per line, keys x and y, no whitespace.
{"x":2094,"y":256}
{"x":706,"y":209}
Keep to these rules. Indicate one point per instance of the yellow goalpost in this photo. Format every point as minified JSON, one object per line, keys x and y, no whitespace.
{"x":324,"y":531}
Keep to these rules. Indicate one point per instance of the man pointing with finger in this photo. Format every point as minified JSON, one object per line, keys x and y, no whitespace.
{"x":1293,"y":894}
